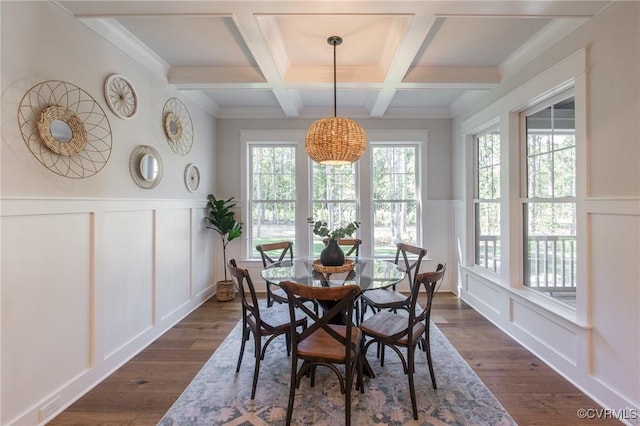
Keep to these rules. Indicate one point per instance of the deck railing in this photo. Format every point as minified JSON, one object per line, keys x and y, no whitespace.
{"x":551,"y":262}
{"x":550,"y":265}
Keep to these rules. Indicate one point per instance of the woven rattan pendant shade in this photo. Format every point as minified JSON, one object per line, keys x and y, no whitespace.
{"x":335,"y":140}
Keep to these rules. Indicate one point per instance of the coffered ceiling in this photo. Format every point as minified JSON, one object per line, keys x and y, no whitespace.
{"x":271,"y":59}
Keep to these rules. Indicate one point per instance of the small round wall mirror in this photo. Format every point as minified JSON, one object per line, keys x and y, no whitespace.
{"x":145,"y":165}
{"x":60,"y":131}
{"x":149,"y":167}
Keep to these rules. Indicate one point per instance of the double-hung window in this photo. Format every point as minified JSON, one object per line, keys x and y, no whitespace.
{"x":272,"y":178}
{"x":487,"y":200}
{"x":549,"y":205}
{"x":395,"y":196}
{"x":334,"y":197}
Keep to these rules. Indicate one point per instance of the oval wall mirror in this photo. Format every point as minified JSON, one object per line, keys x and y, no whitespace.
{"x":149,"y":167}
{"x":60,"y":131}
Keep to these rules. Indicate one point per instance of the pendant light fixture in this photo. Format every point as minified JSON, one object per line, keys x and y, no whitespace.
{"x":335,"y":140}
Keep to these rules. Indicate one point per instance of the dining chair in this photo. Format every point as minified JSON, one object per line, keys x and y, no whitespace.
{"x":350,"y":246}
{"x":389,"y":298}
{"x":270,"y":322}
{"x":272,"y":253}
{"x":407,"y":331}
{"x":324,"y":343}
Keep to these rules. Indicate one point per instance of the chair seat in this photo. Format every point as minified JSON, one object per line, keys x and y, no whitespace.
{"x":383,"y":299}
{"x":277,"y":317}
{"x":321,"y":345}
{"x":383,"y":325}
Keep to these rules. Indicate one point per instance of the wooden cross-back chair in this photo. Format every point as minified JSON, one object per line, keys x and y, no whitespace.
{"x":407,"y":331}
{"x":410,"y":259}
{"x":272,"y":253}
{"x":324,"y":343}
{"x":270,"y":322}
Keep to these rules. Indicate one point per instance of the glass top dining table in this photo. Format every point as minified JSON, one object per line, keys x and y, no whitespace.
{"x":367,"y":273}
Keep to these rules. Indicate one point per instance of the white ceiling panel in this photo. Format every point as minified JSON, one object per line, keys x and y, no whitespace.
{"x":248,"y":59}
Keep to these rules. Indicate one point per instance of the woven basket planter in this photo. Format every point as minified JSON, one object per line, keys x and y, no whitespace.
{"x":225,"y":291}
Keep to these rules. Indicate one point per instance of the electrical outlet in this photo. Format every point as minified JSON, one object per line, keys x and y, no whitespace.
{"x":50,"y":408}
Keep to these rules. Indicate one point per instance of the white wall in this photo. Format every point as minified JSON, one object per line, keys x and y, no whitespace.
{"x":597,"y":346}
{"x":93,"y":269}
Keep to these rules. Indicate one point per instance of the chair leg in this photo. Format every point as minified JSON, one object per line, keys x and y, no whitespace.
{"x":245,"y":337}
{"x":269,"y":299}
{"x":287,"y":337}
{"x":347,"y":397}
{"x":411,"y":353}
{"x":431,"y":372}
{"x":292,"y":388}
{"x":256,"y":370}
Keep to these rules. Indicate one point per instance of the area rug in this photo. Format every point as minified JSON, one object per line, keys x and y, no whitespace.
{"x":219,"y":396}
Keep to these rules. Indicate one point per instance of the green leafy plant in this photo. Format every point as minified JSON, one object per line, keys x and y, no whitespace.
{"x":221,"y":219}
{"x":321,"y":228}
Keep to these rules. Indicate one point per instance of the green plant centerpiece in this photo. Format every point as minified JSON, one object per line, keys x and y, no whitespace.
{"x":332,"y":254}
{"x":221,"y":219}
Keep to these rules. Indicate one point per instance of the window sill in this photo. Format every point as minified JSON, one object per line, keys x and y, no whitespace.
{"x":532,"y":298}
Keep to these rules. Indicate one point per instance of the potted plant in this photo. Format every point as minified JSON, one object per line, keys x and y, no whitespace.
{"x":332,"y":254}
{"x":221,"y":219}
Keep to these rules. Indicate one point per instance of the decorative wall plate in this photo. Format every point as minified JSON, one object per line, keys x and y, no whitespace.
{"x":65,"y":129}
{"x":120,"y":96}
{"x":178,"y":126}
{"x":145,"y":166}
{"x":192,"y":177}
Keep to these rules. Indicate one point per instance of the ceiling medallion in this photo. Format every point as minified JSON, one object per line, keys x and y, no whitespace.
{"x":335,"y":140}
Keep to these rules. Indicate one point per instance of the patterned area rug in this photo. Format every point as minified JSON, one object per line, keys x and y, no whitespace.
{"x":219,"y":396}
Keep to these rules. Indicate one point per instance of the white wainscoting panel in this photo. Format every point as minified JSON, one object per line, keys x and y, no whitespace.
{"x":615,"y":267}
{"x":484,"y":294}
{"x":555,"y":338}
{"x":46,"y":293}
{"x":173,"y":245}
{"x":127,"y":284}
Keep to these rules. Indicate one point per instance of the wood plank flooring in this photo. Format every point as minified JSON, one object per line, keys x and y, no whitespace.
{"x":142,"y":390}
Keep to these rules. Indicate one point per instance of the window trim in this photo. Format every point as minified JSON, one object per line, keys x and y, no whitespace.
{"x":569,"y":72}
{"x":525,"y":200}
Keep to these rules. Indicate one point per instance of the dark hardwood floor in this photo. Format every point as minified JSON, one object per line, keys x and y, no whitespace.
{"x":142,"y":390}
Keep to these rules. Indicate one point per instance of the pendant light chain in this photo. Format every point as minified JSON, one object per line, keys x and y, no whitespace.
{"x":335,"y":90}
{"x":336,"y":140}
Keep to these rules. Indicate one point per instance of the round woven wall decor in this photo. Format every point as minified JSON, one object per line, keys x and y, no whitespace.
{"x":178,"y":126}
{"x":121,"y":96}
{"x":54,"y":115}
{"x":80,"y":154}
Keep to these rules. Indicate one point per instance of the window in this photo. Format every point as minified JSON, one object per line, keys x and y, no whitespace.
{"x":395,"y":197}
{"x":549,"y":206}
{"x":282,"y":187}
{"x":272,"y":194}
{"x":334,"y":197}
{"x":487,"y":200}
